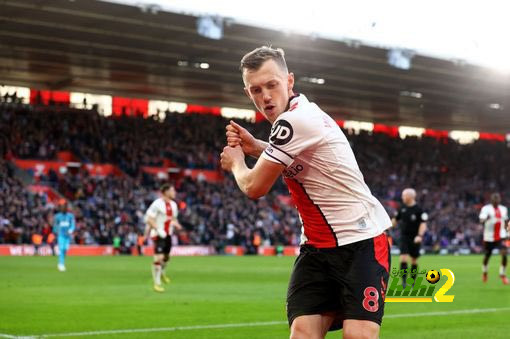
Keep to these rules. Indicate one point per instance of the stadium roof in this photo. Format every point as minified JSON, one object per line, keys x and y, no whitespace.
{"x":100,"y":47}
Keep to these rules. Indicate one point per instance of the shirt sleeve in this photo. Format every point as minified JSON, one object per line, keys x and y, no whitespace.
{"x":152,"y":211}
{"x":484,"y":214}
{"x":290,"y":135}
{"x":423,"y":216}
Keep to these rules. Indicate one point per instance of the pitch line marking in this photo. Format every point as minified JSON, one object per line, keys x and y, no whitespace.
{"x":254,"y":324}
{"x":3,"y":335}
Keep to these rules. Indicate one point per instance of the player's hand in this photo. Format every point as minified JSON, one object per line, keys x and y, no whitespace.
{"x":161,"y":233}
{"x":230,"y":156}
{"x":177,"y":225}
{"x":417,"y":239}
{"x":239,"y":136}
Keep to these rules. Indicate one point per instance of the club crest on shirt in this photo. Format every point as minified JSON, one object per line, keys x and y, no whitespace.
{"x":281,"y":133}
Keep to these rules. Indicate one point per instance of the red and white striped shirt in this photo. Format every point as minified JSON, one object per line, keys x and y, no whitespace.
{"x":335,"y":205}
{"x":494,"y":220}
{"x":163,"y":212}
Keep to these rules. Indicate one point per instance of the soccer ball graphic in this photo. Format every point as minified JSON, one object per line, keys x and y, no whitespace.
{"x":433,"y":276}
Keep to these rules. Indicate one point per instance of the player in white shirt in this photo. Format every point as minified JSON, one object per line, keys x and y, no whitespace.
{"x":494,"y":218}
{"x":161,"y":219}
{"x":340,"y":277}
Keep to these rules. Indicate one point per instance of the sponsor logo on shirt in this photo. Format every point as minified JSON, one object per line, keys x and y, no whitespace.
{"x":281,"y":133}
{"x":292,"y":171}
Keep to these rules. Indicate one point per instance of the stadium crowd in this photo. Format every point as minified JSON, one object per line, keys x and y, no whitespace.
{"x":452,"y":180}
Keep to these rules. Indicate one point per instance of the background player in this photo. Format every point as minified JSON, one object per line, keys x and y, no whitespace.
{"x":63,"y":226}
{"x":494,"y":217}
{"x":339,"y":278}
{"x":161,"y":218}
{"x":412,"y":221}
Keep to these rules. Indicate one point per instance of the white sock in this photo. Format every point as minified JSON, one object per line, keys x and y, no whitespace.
{"x":502,"y":270}
{"x":484,"y":268}
{"x":156,"y":273}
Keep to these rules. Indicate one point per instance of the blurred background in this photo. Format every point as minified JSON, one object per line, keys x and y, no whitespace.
{"x":103,"y":101}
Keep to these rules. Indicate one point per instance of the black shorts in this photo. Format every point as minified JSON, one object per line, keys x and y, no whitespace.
{"x":349,"y":281}
{"x":408,"y":246}
{"x":162,"y":245}
{"x":488,"y":246}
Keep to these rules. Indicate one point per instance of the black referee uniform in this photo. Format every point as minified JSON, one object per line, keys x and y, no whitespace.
{"x":409,"y":219}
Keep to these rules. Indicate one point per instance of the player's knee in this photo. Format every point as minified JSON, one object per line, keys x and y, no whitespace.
{"x":303,"y":330}
{"x":360,"y":329}
{"x":166,"y":258}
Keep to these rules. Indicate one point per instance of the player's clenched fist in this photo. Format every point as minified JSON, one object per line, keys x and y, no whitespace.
{"x":230,"y":156}
{"x":239,"y":136}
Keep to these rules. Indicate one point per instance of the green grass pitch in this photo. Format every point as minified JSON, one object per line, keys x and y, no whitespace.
{"x":218,"y":297}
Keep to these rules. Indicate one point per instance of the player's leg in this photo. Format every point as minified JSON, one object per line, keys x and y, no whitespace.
{"x":502,"y":268}
{"x":156,"y":272}
{"x":360,"y":329}
{"x":156,"y":264}
{"x":415,"y":254}
{"x":166,"y":259}
{"x":61,"y":254}
{"x":404,"y":258}
{"x":414,"y":267}
{"x":488,"y":246}
{"x":314,"y":326}
{"x":164,"y":262}
{"x":313,"y":298}
{"x":365,"y":291}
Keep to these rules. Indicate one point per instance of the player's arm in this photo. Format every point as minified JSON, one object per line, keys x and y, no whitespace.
{"x":421,"y":232}
{"x":149,"y":224}
{"x":484,"y":215}
{"x":176,"y":224}
{"x":396,"y":217}
{"x":255,"y":182}
{"x":73,"y":225}
{"x":239,"y":136}
{"x":55,"y":224}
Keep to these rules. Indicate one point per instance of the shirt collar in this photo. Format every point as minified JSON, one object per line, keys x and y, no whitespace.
{"x":292,"y":99}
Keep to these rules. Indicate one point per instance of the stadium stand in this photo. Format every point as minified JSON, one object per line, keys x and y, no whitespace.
{"x":453,"y":180}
